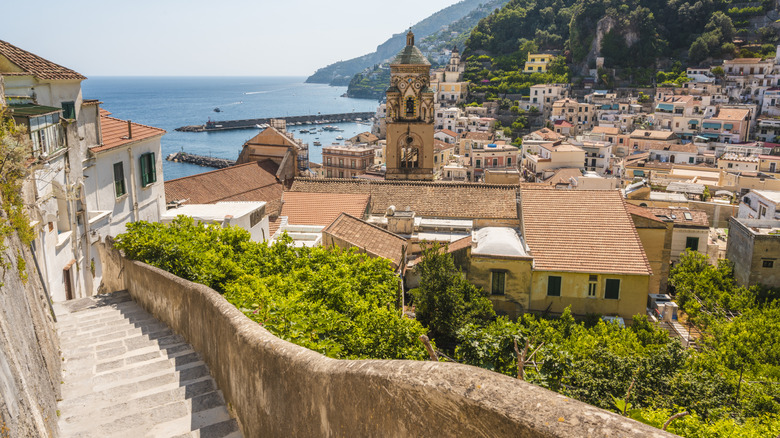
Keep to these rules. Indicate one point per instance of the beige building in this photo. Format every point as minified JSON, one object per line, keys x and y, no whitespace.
{"x":410,"y":116}
{"x":691,"y":229}
{"x":278,"y":146}
{"x":754,"y":248}
{"x":594,"y":263}
{"x":582,"y":116}
{"x":552,"y":156}
{"x":341,"y":161}
{"x":655,"y":233}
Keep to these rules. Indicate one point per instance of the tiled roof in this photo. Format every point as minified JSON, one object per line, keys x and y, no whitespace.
{"x":34,"y":65}
{"x":733,"y":114}
{"x":698,"y":218}
{"x":303,"y":208}
{"x":581,"y":231}
{"x":255,"y":181}
{"x":439,"y":145}
{"x":735,"y":157}
{"x":564,"y":175}
{"x":486,"y":136}
{"x":270,"y":137}
{"x":563,"y":123}
{"x":548,"y":134}
{"x":115,"y":133}
{"x":688,"y":147}
{"x":606,"y":130}
{"x":426,"y":199}
{"x":653,"y":135}
{"x":373,"y":240}
{"x":448,"y":132}
{"x":364,"y":137}
{"x":642,"y":212}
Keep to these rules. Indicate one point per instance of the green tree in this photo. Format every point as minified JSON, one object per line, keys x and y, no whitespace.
{"x":445,"y":300}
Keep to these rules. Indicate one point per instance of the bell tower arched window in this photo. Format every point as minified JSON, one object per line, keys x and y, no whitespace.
{"x":410,"y":107}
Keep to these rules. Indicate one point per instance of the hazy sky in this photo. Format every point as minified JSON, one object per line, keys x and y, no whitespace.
{"x":216,"y":37}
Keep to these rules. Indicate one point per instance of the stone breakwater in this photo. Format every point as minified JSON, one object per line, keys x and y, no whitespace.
{"x":217,"y":163}
{"x":292,"y":120}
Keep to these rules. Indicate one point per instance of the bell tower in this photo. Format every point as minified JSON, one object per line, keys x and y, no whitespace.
{"x":410,"y":116}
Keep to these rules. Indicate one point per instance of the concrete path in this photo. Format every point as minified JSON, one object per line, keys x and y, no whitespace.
{"x":126,"y":374}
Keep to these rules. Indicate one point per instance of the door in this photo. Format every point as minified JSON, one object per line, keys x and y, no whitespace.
{"x":68,"y":280}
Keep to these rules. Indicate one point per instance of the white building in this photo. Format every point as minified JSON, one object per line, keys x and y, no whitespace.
{"x":247,"y":215}
{"x":760,"y":204}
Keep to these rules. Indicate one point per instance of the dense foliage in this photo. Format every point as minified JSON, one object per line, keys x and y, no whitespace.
{"x":341,"y":304}
{"x":445,"y":301}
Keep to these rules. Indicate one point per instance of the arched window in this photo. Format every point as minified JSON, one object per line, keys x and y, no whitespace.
{"x":410,"y":107}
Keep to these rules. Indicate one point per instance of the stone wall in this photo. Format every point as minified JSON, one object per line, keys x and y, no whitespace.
{"x":29,"y":350}
{"x":278,"y":389}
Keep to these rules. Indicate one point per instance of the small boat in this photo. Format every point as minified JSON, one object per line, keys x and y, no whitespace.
{"x":339,"y":138}
{"x":316,"y":143}
{"x":304,"y":131}
{"x":217,"y":110}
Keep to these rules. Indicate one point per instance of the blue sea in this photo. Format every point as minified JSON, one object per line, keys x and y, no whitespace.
{"x":171,"y":102}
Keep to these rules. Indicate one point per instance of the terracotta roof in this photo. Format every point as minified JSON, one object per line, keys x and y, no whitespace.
{"x":448,"y":132}
{"x":564,"y":175}
{"x":642,"y":212}
{"x":255,"y":181}
{"x":735,"y":157}
{"x":689,"y":148}
{"x":486,"y":136}
{"x":563,"y":123}
{"x":698,"y":218}
{"x":373,"y":240}
{"x":270,"y":137}
{"x":733,"y":114}
{"x":302,"y":208}
{"x":439,"y":145}
{"x":364,"y":137}
{"x":653,"y":135}
{"x":581,"y":231}
{"x":548,"y":134}
{"x":606,"y":130}
{"x":115,"y":133}
{"x":34,"y":65}
{"x":426,"y":199}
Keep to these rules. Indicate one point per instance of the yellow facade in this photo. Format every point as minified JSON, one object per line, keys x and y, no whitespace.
{"x":517,"y":282}
{"x":574,"y":292}
{"x":537,"y":63}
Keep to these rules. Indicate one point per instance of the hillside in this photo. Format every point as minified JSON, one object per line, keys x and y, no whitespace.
{"x":372,"y":82}
{"x":340,"y":73}
{"x":634,"y":36}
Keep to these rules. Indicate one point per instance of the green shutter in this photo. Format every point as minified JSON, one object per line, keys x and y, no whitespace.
{"x":553,"y":286}
{"x":148,"y":169}
{"x":692,"y":243}
{"x":119,"y":179}
{"x":612,"y":290}
{"x":498,"y":282}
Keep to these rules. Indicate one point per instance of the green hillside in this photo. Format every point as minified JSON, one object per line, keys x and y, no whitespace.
{"x":340,"y":73}
{"x":633,"y":36}
{"x":373,"y":81}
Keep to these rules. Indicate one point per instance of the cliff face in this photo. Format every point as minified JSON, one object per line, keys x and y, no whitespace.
{"x":29,"y":349}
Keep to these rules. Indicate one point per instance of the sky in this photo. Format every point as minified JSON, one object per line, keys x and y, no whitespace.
{"x":207,"y":38}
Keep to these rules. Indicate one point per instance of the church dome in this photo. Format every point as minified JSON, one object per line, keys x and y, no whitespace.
{"x":410,"y":54}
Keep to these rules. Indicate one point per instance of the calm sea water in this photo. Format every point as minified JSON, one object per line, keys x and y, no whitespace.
{"x":171,"y":102}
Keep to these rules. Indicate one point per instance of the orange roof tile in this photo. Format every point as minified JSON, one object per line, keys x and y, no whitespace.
{"x":581,"y":231}
{"x":548,"y":134}
{"x":303,"y":208}
{"x":448,"y":132}
{"x":644,"y":212}
{"x":34,"y":65}
{"x":374,"y":240}
{"x":115,"y":133}
{"x":606,"y":130}
{"x":439,"y":145}
{"x":255,"y":181}
{"x":732,"y":114}
{"x":427,"y":199}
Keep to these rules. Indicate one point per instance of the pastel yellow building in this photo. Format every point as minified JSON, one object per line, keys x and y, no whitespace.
{"x":537,"y":62}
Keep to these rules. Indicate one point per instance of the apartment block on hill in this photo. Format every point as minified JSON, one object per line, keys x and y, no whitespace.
{"x":754,"y":248}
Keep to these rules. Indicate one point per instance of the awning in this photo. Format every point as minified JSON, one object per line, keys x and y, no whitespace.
{"x":709,"y":136}
{"x":710,"y":125}
{"x":693,"y":122}
{"x":728,"y":126}
{"x":639,"y":173}
{"x":665,"y":106}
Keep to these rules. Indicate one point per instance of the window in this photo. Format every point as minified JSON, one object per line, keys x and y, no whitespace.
{"x":498,"y":280}
{"x":479,"y":163}
{"x":731,"y":165}
{"x":553,"y":286}
{"x":495,"y":162}
{"x":119,"y":179}
{"x":692,"y":243}
{"x":612,"y":289}
{"x":353,"y":164}
{"x":592,"y":284}
{"x":69,"y":110}
{"x":148,"y":169}
{"x":690,"y":160}
{"x":509,"y":161}
{"x":767,"y":263}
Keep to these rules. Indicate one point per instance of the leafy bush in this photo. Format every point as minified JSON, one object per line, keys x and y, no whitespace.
{"x":339,"y":303}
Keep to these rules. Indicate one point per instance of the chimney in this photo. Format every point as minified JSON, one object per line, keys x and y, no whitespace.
{"x":129,"y":130}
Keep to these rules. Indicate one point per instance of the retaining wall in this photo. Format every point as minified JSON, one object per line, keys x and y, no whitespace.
{"x":278,"y":389}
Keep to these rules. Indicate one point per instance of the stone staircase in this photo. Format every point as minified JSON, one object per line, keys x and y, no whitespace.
{"x":126,"y":374}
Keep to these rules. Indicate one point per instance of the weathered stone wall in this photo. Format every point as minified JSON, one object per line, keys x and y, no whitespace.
{"x":278,"y":389}
{"x":29,"y":351}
